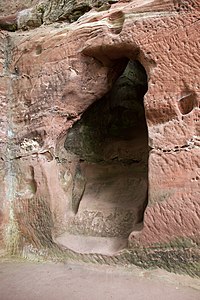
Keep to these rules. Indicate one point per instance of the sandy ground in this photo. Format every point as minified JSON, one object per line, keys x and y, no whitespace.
{"x":48,"y":281}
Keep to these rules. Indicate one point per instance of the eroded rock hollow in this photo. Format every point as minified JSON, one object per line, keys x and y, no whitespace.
{"x":110,"y":143}
{"x":99,"y":132}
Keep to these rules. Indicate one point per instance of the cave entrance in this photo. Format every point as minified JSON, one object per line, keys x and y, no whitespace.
{"x":110,"y":184}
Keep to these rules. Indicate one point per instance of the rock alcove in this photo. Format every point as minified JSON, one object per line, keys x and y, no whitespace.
{"x":90,"y":195}
{"x":110,"y":145}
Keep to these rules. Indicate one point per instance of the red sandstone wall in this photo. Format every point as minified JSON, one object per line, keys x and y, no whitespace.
{"x":12,"y":6}
{"x":56,"y":73}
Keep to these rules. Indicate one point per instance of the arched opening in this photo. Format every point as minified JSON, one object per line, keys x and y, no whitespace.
{"x":110,"y":184}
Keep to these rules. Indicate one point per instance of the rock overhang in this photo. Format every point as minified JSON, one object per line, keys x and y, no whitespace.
{"x":54,"y":85}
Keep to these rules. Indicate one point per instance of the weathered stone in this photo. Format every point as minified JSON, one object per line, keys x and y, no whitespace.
{"x":50,"y":77}
{"x":48,"y":12}
{"x":12,"y":6}
{"x":111,"y":143}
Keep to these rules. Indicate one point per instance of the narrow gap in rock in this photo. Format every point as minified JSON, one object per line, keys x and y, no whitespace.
{"x":110,"y":186}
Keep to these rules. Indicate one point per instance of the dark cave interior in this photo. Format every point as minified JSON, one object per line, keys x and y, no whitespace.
{"x":110,"y":185}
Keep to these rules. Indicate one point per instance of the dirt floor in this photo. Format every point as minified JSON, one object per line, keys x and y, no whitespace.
{"x":48,"y":281}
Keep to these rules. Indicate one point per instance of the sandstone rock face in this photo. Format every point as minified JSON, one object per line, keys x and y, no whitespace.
{"x":109,"y":192}
{"x":11,"y":7}
{"x":79,"y":156}
{"x":47,"y":12}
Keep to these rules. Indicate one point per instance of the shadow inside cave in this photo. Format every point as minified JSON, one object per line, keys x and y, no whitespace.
{"x":110,"y":185}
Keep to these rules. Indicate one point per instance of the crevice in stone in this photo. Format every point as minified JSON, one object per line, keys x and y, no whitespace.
{"x":110,"y":146}
{"x":191,"y":144}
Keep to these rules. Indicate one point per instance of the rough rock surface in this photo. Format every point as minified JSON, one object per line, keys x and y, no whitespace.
{"x":51,"y":75}
{"x":47,"y":12}
{"x":11,"y":7}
